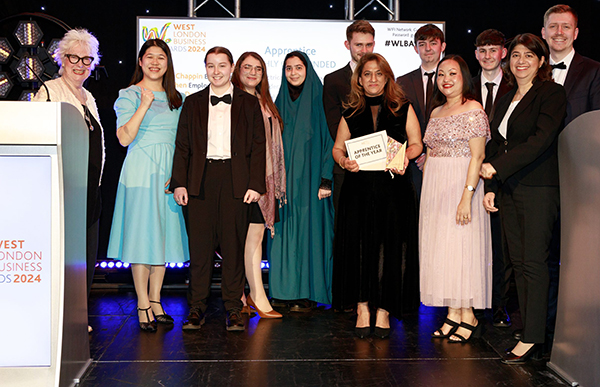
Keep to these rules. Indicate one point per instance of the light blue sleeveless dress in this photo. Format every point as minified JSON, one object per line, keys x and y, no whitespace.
{"x":148,"y":226}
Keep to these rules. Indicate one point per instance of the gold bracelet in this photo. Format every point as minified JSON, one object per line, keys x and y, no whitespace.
{"x":340,"y":162}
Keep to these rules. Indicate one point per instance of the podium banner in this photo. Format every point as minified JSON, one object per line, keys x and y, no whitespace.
{"x":25,"y":260}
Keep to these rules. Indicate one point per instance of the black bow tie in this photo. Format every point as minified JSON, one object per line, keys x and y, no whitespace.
{"x":215,"y":100}
{"x":560,"y":66}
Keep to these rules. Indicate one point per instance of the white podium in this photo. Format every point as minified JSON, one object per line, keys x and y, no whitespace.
{"x":576,"y":347}
{"x":43,"y":179}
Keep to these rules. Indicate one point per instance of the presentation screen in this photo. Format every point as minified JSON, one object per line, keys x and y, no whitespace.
{"x":321,"y":40}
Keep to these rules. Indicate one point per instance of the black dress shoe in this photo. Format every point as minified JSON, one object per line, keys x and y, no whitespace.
{"x":501,"y":319}
{"x":302,"y":306}
{"x":195,"y":320}
{"x":276,"y":303}
{"x":234,"y":321}
{"x":518,"y":334}
{"x":534,"y":353}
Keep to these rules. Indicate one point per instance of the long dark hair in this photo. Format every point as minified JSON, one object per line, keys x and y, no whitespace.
{"x":438,"y":98}
{"x":263,"y":85}
{"x":535,"y":45}
{"x":168,"y":81}
{"x":393,"y":96}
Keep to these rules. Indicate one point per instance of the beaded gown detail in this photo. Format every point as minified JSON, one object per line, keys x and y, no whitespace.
{"x":456,"y":260}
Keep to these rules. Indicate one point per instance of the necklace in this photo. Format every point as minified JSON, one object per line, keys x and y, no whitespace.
{"x":82,"y":99}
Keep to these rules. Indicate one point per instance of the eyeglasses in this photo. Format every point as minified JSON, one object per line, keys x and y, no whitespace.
{"x":74,"y":59}
{"x":248,"y":68}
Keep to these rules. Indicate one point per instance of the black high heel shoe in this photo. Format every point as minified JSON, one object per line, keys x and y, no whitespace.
{"x":476,"y":332}
{"x":362,"y":332}
{"x":441,"y":334}
{"x":382,"y":333}
{"x":149,"y":326}
{"x":535,"y":353}
{"x":163,"y":318}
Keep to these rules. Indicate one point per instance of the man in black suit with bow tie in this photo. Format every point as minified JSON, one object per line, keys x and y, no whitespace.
{"x":418,"y":86}
{"x":580,"y":77}
{"x":218,"y":170}
{"x":360,"y":39}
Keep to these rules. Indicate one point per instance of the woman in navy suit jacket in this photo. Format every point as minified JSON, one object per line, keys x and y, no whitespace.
{"x":522,"y":169}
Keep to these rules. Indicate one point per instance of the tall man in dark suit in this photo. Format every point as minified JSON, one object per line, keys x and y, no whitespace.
{"x":491,"y":84}
{"x":581,"y":78}
{"x":418,"y":85}
{"x":579,"y":75}
{"x":360,"y":39}
{"x":218,"y":170}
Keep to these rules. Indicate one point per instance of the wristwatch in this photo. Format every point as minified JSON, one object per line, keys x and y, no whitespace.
{"x":470,"y":188}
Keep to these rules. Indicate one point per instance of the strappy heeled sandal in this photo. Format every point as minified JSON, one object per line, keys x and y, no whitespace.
{"x":149,"y":326}
{"x":439,"y":334}
{"x":163,"y":318}
{"x":476,"y":332}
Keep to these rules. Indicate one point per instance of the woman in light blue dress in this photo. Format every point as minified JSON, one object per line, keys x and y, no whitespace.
{"x":148,"y":227}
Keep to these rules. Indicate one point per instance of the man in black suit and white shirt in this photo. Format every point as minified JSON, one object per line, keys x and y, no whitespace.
{"x":490,"y":52}
{"x":581,"y":78}
{"x":491,"y":84}
{"x":579,"y":75}
{"x":418,"y":85}
{"x":218,"y":170}
{"x":360,"y":37}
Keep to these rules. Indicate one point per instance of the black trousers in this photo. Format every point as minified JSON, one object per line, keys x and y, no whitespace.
{"x":216,"y":218}
{"x":501,"y":267}
{"x":528,"y":215}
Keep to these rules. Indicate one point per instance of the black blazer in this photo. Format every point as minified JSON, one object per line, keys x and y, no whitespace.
{"x":412,"y":86}
{"x":582,"y":86}
{"x":529,"y":151}
{"x":248,"y":156}
{"x":502,"y":89}
{"x":336,"y":89}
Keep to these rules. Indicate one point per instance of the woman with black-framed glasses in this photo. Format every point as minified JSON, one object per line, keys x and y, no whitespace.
{"x":77,"y":55}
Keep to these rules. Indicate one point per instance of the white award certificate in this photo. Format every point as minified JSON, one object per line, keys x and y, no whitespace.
{"x":369,"y":151}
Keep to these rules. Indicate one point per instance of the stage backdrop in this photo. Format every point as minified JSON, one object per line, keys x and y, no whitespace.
{"x":322,"y":41}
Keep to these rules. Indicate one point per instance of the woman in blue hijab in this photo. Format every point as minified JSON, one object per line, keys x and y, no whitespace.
{"x":301,"y":250}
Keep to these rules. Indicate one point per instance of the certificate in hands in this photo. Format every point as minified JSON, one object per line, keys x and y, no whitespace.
{"x":370,"y":151}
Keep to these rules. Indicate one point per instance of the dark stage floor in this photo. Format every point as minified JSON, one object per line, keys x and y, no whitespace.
{"x":312,"y":349}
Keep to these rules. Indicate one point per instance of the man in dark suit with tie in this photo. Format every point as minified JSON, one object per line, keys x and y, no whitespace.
{"x":491,"y":84}
{"x":218,"y":170}
{"x":360,"y":39}
{"x":418,"y":85}
{"x":581,"y":78}
{"x":490,"y":52}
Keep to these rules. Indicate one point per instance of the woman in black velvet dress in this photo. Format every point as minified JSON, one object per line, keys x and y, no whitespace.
{"x":376,"y":264}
